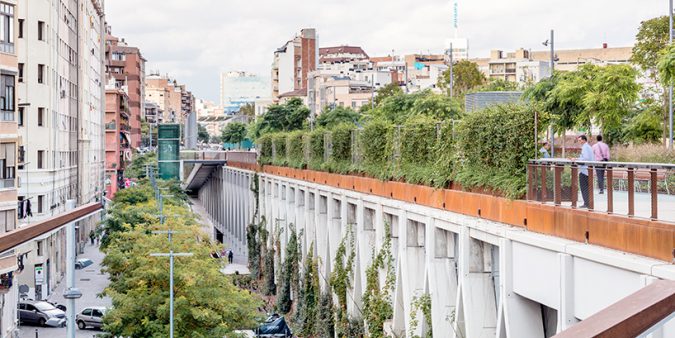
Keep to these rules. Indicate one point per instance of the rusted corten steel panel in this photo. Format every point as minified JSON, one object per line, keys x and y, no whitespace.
{"x":649,"y":238}
{"x":12,"y":239}
{"x":630,"y":316}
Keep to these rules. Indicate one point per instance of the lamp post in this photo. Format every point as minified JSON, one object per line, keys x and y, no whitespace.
{"x":171,"y":255}
{"x":552,"y":66}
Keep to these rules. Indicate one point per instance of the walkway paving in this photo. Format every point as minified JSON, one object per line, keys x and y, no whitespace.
{"x":240,"y":261}
{"x":91,"y":282}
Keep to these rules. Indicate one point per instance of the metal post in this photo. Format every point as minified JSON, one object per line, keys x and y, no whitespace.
{"x":451,"y":73}
{"x":372,"y":90}
{"x":70,"y":273}
{"x":170,"y":290}
{"x":552,"y":136}
{"x":670,"y":87}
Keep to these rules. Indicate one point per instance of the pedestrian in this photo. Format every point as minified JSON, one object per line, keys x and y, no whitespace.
{"x":230,"y":256}
{"x":543,"y":151}
{"x":586,"y":156}
{"x":601,"y":153}
{"x":92,"y":235}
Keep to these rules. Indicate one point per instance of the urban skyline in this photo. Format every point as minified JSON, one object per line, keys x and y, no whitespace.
{"x":170,"y":46}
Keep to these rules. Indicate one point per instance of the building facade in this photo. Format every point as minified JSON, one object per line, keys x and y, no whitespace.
{"x":242,"y":87}
{"x":292,"y":62}
{"x":117,"y":138}
{"x":60,"y":100}
{"x":127,"y":66}
{"x":9,"y":145}
{"x":172,"y":98}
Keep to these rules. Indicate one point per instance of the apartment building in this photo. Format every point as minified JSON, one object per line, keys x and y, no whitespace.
{"x":126,"y":65}
{"x":60,"y":100}
{"x":292,"y":62}
{"x":117,"y":137}
{"x":9,"y":144}
{"x":238,"y":88}
{"x":169,"y":96}
{"x":525,"y":66}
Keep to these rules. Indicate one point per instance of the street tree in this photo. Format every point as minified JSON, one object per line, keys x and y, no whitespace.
{"x":202,"y":133}
{"x":498,"y":85}
{"x":466,"y":76}
{"x":247,"y":110}
{"x":288,"y":116}
{"x":392,"y":89}
{"x":336,"y":116}
{"x":234,"y":132}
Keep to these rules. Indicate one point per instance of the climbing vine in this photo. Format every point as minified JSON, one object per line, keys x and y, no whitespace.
{"x":290,"y":272}
{"x":377,"y":301}
{"x":340,"y":279}
{"x":324,"y":320}
{"x":296,"y":153}
{"x":421,"y":304}
{"x":308,"y":300}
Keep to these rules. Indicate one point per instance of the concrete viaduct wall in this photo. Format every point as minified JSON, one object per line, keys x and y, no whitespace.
{"x":485,"y":279}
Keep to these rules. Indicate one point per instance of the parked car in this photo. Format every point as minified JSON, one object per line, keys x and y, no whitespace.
{"x":41,"y":313}
{"x":83,"y":263}
{"x":274,"y":327}
{"x":90,"y":317}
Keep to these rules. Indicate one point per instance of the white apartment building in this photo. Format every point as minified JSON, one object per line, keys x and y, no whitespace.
{"x":61,"y":113}
{"x":238,"y":87}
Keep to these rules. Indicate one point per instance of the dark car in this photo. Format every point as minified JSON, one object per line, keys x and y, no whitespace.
{"x":40,"y":313}
{"x":83,"y":263}
{"x":274,"y":327}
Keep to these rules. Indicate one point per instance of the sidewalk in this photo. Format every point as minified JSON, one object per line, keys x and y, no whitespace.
{"x":91,"y":282}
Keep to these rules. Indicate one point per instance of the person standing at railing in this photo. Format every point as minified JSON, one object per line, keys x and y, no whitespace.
{"x":586,"y":155}
{"x":543,"y":151}
{"x":601,"y":153}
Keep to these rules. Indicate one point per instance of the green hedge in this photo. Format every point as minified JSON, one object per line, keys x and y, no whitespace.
{"x":264,"y":143}
{"x":494,"y":146}
{"x":280,"y":141}
{"x":487,"y":149}
{"x":296,"y":149}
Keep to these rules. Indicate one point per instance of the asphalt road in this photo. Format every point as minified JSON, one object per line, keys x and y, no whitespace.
{"x":91,"y":282}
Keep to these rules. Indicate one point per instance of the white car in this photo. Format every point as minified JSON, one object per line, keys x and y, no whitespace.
{"x":90,"y":317}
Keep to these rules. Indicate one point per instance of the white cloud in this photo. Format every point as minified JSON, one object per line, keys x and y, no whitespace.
{"x":195,"y":40}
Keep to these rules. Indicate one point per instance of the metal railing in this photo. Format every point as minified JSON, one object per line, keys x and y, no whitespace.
{"x":631,"y":189}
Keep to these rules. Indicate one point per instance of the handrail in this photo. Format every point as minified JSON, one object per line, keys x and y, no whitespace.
{"x":637,"y":165}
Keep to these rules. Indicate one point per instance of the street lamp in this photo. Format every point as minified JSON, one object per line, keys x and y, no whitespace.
{"x":171,"y":255}
{"x":552,"y":66}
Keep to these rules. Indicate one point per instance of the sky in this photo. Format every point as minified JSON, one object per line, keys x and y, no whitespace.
{"x":194,"y":40}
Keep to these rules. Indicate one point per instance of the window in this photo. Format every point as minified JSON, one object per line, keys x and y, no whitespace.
{"x":7,"y":165}
{"x":40,"y":155}
{"x":41,"y":73}
{"x":40,"y":245}
{"x":41,"y":30}
{"x":8,"y":220}
{"x":368,"y":219}
{"x":118,"y":56}
{"x":6,"y":28}
{"x":86,"y":312}
{"x":20,"y":116}
{"x":20,"y":72}
{"x":41,"y":200}
{"x":7,"y":97}
{"x":415,"y":234}
{"x":96,"y":313}
{"x":40,"y":116}
{"x":20,"y":28}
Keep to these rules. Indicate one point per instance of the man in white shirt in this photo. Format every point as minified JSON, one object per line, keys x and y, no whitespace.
{"x":586,"y":155}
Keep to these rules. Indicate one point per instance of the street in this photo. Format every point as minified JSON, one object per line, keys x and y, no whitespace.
{"x":91,"y":282}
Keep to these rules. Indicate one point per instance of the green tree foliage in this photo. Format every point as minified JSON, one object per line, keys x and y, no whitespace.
{"x":392,"y":89}
{"x":207,"y":304}
{"x":202,"y":134}
{"x":234,"y":132}
{"x":417,"y":148}
{"x":336,"y":116}
{"x":399,"y":108}
{"x":340,"y":157}
{"x":137,"y":168}
{"x":666,"y":65}
{"x":289,"y":116}
{"x":466,"y":76}
{"x":316,"y":148}
{"x":377,"y":299}
{"x":651,"y":39}
{"x":247,"y":110}
{"x":290,"y":280}
{"x":296,"y":149}
{"x":375,"y":142}
{"x":498,"y":85}
{"x":645,"y":126}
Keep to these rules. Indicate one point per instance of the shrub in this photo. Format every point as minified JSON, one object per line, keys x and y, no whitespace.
{"x":494,"y":146}
{"x":375,"y":144}
{"x":296,"y":149}
{"x":416,"y":144}
{"x":264,"y":143}
{"x":340,"y":158}
{"x":316,"y":148}
{"x":280,"y":141}
{"x":444,"y":156}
